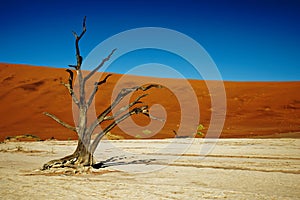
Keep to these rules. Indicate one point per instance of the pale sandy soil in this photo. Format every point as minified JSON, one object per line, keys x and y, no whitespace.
{"x":234,"y":169}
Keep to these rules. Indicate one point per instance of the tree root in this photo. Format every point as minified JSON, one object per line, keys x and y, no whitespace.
{"x":68,"y":161}
{"x":72,"y":164}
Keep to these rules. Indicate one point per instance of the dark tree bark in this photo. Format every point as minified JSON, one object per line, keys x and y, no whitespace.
{"x":83,"y":155}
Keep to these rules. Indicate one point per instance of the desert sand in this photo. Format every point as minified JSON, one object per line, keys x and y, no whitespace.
{"x":151,"y":169}
{"x":254,"y":109}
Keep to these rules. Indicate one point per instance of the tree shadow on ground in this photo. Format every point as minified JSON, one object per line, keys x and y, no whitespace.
{"x":119,"y":160}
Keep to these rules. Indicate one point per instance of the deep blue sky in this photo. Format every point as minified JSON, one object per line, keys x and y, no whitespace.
{"x":248,"y":40}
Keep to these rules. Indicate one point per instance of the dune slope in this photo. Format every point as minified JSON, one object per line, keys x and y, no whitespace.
{"x":254,"y":109}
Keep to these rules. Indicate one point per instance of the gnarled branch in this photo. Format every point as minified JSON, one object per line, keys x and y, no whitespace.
{"x":69,"y":86}
{"x":124,"y":92}
{"x":60,"y":121}
{"x":73,"y":66}
{"x":77,"y":39}
{"x":70,"y":77}
{"x":137,"y":110}
{"x":104,"y":80}
{"x":91,"y":98}
{"x":124,"y":108}
{"x":99,"y":66}
{"x":153,"y":117}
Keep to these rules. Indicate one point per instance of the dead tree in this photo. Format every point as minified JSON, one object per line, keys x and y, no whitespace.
{"x":83,"y":155}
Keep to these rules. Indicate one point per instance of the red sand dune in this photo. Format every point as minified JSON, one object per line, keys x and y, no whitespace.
{"x":254,"y":109}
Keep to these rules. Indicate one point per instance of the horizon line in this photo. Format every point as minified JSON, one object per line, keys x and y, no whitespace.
{"x":160,"y":77}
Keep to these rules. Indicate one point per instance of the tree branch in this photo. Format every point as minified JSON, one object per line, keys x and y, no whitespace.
{"x":137,"y":110}
{"x":149,"y":86}
{"x":124,"y":108}
{"x":60,"y":121}
{"x":70,"y":77}
{"x":153,"y":117}
{"x":77,"y":39}
{"x":69,"y":86}
{"x":104,"y":80}
{"x":73,"y":66}
{"x":124,"y":92}
{"x":99,"y":66}
{"x":91,"y":98}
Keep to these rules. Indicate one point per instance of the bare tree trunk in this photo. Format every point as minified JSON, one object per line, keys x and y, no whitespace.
{"x":83,"y":155}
